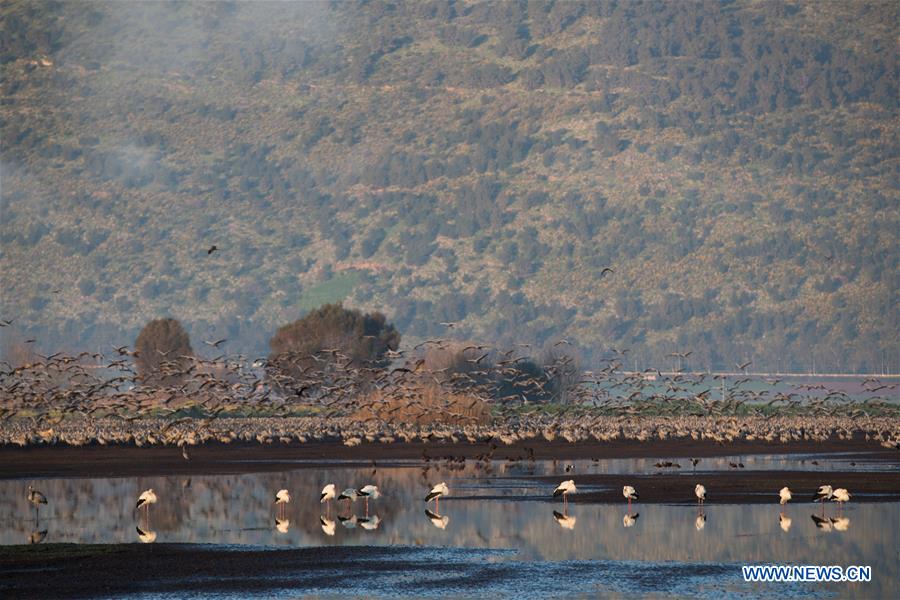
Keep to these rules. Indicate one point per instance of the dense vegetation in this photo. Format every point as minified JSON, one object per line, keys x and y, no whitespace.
{"x":733,"y":163}
{"x":332,"y":336}
{"x":163,"y":352}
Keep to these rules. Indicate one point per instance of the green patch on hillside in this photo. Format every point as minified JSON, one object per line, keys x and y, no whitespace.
{"x":336,"y":289}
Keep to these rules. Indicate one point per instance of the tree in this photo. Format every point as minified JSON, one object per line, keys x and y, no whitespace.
{"x":332,"y":333}
{"x":163,"y":352}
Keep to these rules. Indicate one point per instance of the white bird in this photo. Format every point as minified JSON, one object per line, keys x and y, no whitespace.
{"x":369,"y":491}
{"x":700,"y":521}
{"x":370,"y":523}
{"x":629,"y":493}
{"x":841,"y":495}
{"x":327,"y":525}
{"x":785,"y":495}
{"x":825,"y":493}
{"x":36,"y":498}
{"x":564,"y":489}
{"x":437,"y":520}
{"x":146,"y":537}
{"x":282,"y":497}
{"x":629,"y":520}
{"x":700,"y":492}
{"x":784,"y":522}
{"x":350,"y":494}
{"x":328,"y":493}
{"x":282,"y":525}
{"x":565,"y":521}
{"x":841,"y":523}
{"x":436,"y":492}
{"x":146,"y":498}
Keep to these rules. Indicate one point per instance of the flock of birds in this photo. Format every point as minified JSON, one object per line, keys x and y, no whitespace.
{"x":368,"y":492}
{"x":90,"y":398}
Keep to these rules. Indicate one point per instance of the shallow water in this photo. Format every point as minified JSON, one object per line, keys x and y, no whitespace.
{"x":482,"y":513}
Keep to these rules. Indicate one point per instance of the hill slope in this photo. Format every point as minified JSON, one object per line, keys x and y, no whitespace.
{"x":735,"y":164}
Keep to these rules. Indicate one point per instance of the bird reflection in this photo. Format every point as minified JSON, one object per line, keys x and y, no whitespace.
{"x":784,"y":522}
{"x":437,"y":520}
{"x":327,"y":525}
{"x":628,"y":520}
{"x":840,"y":523}
{"x":822,"y":523}
{"x":37,"y":536}
{"x":700,"y":521}
{"x":282,"y":525}
{"x":348,"y":522}
{"x":565,"y":521}
{"x":146,"y":537}
{"x":370,"y":523}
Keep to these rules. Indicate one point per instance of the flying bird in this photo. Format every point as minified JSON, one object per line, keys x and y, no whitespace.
{"x":212,"y":249}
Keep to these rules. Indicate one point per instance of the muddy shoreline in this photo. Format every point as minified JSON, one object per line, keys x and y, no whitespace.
{"x":215,"y":458}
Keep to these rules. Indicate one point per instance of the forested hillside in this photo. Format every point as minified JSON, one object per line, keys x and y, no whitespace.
{"x":735,"y":165}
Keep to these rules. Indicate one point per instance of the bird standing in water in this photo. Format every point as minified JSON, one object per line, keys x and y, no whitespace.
{"x":564,"y":489}
{"x":36,"y":498}
{"x":700,"y":492}
{"x":282,"y":497}
{"x":785,"y":495}
{"x":435,"y":494}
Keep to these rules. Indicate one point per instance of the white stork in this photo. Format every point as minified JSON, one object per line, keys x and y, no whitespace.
{"x":785,"y":495}
{"x":700,"y":492}
{"x":282,"y":497}
{"x":840,"y":496}
{"x":369,"y":491}
{"x":564,"y":489}
{"x":435,"y":494}
{"x":629,"y":493}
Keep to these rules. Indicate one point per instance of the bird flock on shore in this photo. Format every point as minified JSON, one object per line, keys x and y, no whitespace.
{"x":477,"y":392}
